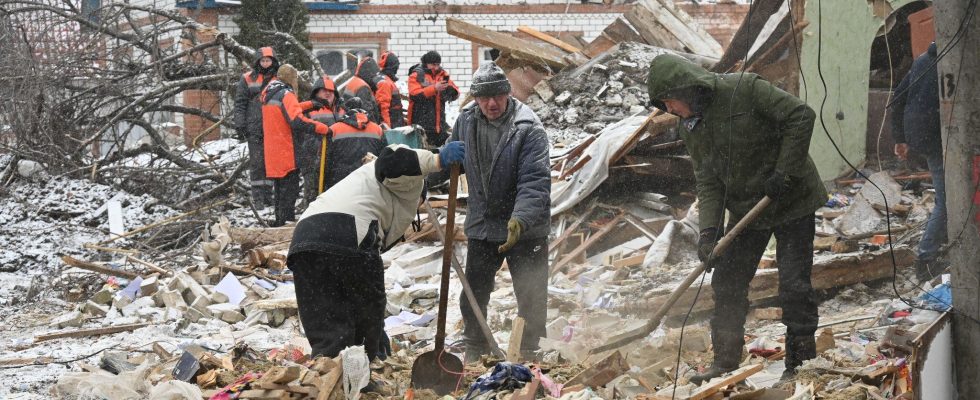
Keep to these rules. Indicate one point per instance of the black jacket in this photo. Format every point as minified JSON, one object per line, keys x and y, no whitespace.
{"x":915,"y":110}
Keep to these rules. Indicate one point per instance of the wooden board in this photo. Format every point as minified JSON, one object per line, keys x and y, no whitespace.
{"x":517,"y":48}
{"x":544,"y":37}
{"x":737,"y":376}
{"x":514,"y":345}
{"x":602,"y":372}
{"x":840,"y":271}
{"x":651,"y":30}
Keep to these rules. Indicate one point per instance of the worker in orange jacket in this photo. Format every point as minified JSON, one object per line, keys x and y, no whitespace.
{"x":362,"y":86}
{"x":326,"y":110}
{"x":248,"y":121}
{"x":283,"y":122}
{"x":429,"y":89}
{"x":387,"y":94}
{"x":350,"y":139}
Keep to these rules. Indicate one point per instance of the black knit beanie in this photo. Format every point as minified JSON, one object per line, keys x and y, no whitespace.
{"x":432,"y":57}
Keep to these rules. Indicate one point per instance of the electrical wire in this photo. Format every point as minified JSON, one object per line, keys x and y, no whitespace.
{"x":891,"y":249}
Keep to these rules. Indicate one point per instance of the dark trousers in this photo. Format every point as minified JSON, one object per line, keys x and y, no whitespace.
{"x":341,"y":300}
{"x":261,"y":187}
{"x":310,"y":166}
{"x":528,"y":264}
{"x":735,"y":269}
{"x":286,"y":193}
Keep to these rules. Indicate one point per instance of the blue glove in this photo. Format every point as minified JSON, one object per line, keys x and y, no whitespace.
{"x":452,"y":152}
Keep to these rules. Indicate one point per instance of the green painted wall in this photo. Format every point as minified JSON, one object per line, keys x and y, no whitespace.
{"x":848,"y":29}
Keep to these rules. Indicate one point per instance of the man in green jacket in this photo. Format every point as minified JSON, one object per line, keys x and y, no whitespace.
{"x":748,"y":139}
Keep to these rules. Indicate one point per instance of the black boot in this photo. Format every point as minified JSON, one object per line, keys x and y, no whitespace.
{"x":798,"y":349}
{"x":728,"y":352}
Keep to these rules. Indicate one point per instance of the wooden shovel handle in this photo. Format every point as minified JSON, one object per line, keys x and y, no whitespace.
{"x":447,"y":257}
{"x":658,"y":316}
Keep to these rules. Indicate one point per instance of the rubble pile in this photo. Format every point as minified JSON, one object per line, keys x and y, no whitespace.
{"x":584,"y":100}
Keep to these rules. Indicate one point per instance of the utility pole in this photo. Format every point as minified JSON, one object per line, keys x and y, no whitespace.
{"x":959,"y":81}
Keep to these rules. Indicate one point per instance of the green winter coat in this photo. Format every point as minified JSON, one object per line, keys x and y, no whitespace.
{"x":762,"y":128}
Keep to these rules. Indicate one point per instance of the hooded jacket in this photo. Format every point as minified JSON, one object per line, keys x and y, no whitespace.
{"x":283,"y":122}
{"x":387,"y":94}
{"x":521,"y":174}
{"x":362,"y":86}
{"x":753,"y":127}
{"x":350,"y":139}
{"x":362,"y":213}
{"x":248,"y":108}
{"x":915,"y":111}
{"x":426,"y":105}
{"x":328,"y":114}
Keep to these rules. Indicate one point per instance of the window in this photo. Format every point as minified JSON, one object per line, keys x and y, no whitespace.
{"x":334,"y":60}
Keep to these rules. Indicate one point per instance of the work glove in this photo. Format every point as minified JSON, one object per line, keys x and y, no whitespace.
{"x":777,"y":185}
{"x":706,"y":244}
{"x":452,"y":152}
{"x":514,"y":230}
{"x":318,"y":104}
{"x":242,"y":134}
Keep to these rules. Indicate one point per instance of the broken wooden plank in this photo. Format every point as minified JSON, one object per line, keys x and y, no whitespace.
{"x":588,"y":243}
{"x":641,"y":226}
{"x":630,"y":261}
{"x":328,"y":382}
{"x":656,"y":124}
{"x":514,"y":344}
{"x":684,"y":28}
{"x":736,"y":377}
{"x":582,"y":161}
{"x":517,"y":48}
{"x":571,"y":229}
{"x":259,"y":256}
{"x":653,"y":31}
{"x":544,"y":37}
{"x":602,"y":372}
{"x":89,"y":332}
{"x":841,"y":270}
{"x":250,"y":238}
{"x":90,"y":266}
{"x":281,"y":374}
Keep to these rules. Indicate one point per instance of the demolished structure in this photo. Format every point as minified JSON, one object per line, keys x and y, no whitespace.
{"x":221,"y":323}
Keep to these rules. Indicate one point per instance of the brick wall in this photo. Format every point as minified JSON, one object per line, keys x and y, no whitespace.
{"x":720,"y":20}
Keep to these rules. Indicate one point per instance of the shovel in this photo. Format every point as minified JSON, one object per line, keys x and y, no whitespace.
{"x":470,"y":297}
{"x":323,"y":162}
{"x":654,"y":322}
{"x":437,"y":369}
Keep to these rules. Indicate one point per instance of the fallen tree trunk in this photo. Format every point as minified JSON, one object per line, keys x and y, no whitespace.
{"x":838,"y":271}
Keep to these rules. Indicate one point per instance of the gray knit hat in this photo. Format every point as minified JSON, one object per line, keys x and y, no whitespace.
{"x":489,"y":80}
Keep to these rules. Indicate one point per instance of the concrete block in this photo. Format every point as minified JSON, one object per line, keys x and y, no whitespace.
{"x":96,"y":309}
{"x":149,"y":286}
{"x":232,"y":317}
{"x":103,"y":296}
{"x":71,"y":319}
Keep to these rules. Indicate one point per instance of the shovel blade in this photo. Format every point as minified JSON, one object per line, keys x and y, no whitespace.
{"x":441,"y":374}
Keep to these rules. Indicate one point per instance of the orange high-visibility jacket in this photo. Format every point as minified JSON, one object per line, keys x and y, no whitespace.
{"x":282,"y":115}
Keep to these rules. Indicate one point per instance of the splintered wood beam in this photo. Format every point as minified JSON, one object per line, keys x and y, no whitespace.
{"x":517,"y":48}
{"x":544,"y":37}
{"x":608,"y":227}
